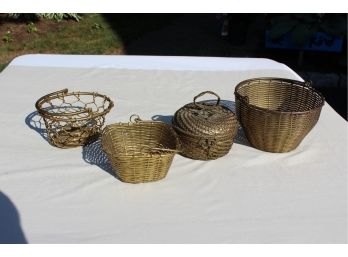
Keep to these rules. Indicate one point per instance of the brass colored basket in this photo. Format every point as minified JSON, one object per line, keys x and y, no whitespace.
{"x":72,"y":119}
{"x":140,"y":151}
{"x":275,"y":113}
{"x":206,"y":130}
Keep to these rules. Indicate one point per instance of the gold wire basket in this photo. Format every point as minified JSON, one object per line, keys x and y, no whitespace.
{"x":140,"y":151}
{"x":206,"y":130}
{"x":275,"y":113}
{"x":73,"y":118}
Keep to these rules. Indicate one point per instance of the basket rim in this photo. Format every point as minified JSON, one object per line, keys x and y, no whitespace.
{"x":137,"y":123}
{"x":166,"y":151}
{"x":299,"y":83}
{"x":64,"y":92}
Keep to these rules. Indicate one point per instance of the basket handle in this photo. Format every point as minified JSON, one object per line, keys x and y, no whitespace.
{"x":134,"y":118}
{"x":308,"y":83}
{"x":161,"y":149}
{"x":37,"y":104}
{"x":64,"y":92}
{"x":206,"y":92}
{"x":243,"y":98}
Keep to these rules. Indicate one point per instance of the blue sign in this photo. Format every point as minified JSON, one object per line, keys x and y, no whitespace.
{"x":319,"y":42}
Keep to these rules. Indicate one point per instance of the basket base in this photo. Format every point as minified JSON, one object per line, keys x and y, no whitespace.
{"x":273,"y":147}
{"x":137,"y":170}
{"x":205,"y":149}
{"x":137,"y":181}
{"x":272,"y":150}
{"x":203,"y":157}
{"x":64,"y":140}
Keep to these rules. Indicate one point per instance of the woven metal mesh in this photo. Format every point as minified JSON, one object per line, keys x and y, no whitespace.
{"x":140,"y":151}
{"x":276,"y":114}
{"x":206,"y":130}
{"x":72,"y":119}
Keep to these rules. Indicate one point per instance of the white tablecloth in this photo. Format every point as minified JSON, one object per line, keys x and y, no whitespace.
{"x":52,"y":195}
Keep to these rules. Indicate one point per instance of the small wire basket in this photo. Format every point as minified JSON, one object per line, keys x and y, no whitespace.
{"x":275,"y":113}
{"x":73,"y":118}
{"x":140,"y":151}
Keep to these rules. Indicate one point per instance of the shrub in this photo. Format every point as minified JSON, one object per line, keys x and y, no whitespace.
{"x":7,"y":37}
{"x":31,"y":27}
{"x":59,"y":16}
{"x":50,"y":16}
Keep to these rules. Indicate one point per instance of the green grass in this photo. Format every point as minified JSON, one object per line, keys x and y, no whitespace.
{"x":92,"y":35}
{"x":3,"y":66}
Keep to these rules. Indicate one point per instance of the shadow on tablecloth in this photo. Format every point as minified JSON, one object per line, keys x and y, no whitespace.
{"x":94,"y":154}
{"x":10,"y":227}
{"x":36,"y":122}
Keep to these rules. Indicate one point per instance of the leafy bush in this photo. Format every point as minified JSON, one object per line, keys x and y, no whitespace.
{"x":50,"y":16}
{"x":7,"y":37}
{"x":31,"y":27}
{"x":59,"y":16}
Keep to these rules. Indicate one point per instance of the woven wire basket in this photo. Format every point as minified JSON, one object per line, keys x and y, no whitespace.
{"x":275,"y":113}
{"x":140,"y":151}
{"x":206,"y":130}
{"x":73,"y":118}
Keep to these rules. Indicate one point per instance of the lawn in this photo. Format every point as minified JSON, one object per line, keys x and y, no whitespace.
{"x":94,"y":34}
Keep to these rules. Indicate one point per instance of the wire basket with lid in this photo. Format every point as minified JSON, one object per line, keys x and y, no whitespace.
{"x":73,"y":118}
{"x":140,"y":151}
{"x":206,"y":130}
{"x":276,"y":113}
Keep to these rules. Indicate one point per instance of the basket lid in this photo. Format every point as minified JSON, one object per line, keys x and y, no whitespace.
{"x":205,"y":118}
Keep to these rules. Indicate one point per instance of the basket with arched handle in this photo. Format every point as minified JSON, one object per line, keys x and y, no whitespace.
{"x":140,"y":151}
{"x":206,"y":129}
{"x":73,"y":118}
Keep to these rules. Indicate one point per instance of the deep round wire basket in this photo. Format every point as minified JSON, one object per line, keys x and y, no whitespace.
{"x":275,"y":113}
{"x":140,"y":151}
{"x":73,"y":118}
